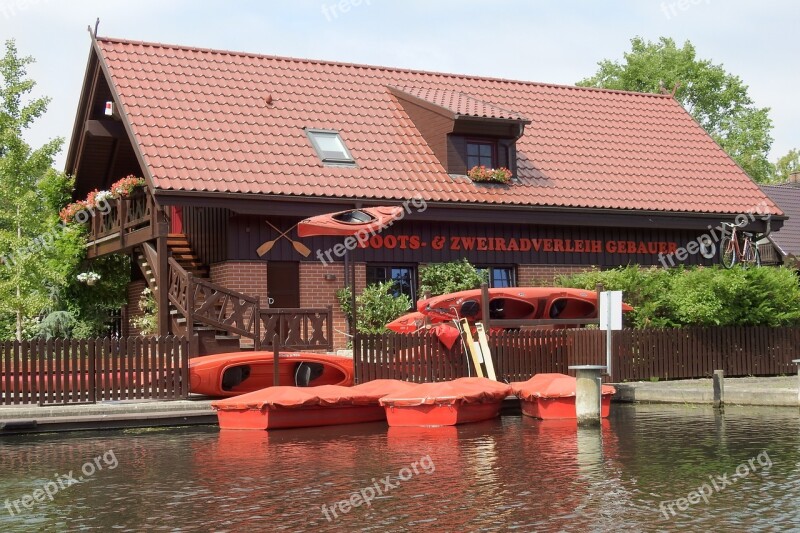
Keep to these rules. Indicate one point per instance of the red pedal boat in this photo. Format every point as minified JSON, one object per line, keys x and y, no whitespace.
{"x":446,"y":403}
{"x":550,"y":396}
{"x":293,"y":407}
{"x":515,"y":303}
{"x":231,"y":374}
{"x":366,"y":220}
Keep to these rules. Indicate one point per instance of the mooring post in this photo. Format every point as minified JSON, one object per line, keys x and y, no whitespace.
{"x":719,"y":389}
{"x":588,"y":393}
{"x":797,"y":362}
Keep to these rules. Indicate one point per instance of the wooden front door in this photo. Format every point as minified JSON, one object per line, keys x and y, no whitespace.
{"x":283,"y":284}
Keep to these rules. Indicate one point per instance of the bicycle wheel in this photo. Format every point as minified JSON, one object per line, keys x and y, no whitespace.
{"x":751,"y":256}
{"x":727,"y":252}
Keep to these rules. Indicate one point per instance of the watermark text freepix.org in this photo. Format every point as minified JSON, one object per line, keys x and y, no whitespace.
{"x":61,"y":482}
{"x":716,"y":483}
{"x":379,"y":487}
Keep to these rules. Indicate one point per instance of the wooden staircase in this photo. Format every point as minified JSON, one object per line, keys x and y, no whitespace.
{"x":211,"y":340}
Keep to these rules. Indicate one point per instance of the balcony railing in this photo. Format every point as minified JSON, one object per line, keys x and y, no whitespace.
{"x":125,"y":222}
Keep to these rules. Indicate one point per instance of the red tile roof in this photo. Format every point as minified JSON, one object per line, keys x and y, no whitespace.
{"x":460,"y":104}
{"x":230,"y":122}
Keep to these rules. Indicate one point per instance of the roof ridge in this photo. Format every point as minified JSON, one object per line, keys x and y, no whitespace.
{"x":381,"y":67}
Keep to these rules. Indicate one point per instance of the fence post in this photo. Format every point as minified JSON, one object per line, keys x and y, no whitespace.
{"x":257,"y":325}
{"x":276,"y":379}
{"x":485,"y":305}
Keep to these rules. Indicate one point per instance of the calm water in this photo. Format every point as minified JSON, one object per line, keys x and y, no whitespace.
{"x":515,"y":474}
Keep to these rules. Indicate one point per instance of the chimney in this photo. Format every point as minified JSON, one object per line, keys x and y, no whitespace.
{"x":794,"y":177}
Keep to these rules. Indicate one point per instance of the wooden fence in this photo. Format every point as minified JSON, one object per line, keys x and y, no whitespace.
{"x":58,"y":372}
{"x":638,"y":354}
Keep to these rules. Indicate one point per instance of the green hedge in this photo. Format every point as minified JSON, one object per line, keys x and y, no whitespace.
{"x":701,"y":296}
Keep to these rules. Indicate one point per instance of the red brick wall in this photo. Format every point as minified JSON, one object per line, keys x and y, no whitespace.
{"x":247,"y":277}
{"x":135,"y":289}
{"x":545,"y":275}
{"x":315,"y":291}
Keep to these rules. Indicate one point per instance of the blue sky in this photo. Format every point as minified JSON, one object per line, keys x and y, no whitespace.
{"x":556,"y":41}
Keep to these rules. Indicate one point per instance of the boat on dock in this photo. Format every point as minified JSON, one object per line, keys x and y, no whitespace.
{"x":552,"y":396}
{"x":231,"y":374}
{"x":293,"y":407}
{"x":446,"y":403}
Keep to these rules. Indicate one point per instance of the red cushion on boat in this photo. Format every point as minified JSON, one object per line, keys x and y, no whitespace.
{"x":462,"y":390}
{"x":370,"y":392}
{"x":281,"y":396}
{"x":328,"y":395}
{"x":550,"y":386}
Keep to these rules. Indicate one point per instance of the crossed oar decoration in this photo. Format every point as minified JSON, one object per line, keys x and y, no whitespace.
{"x":299,"y":247}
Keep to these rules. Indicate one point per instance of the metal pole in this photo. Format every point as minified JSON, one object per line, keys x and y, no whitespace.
{"x":609,"y":332}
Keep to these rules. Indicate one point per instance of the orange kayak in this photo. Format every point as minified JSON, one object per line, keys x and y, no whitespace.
{"x":231,"y":374}
{"x":364,"y":221}
{"x":293,"y":407}
{"x":515,"y":303}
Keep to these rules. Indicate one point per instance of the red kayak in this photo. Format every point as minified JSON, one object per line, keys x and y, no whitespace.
{"x":446,"y":403}
{"x":293,"y":407}
{"x":549,"y":396}
{"x":366,"y":220}
{"x":515,"y":303}
{"x":231,"y":374}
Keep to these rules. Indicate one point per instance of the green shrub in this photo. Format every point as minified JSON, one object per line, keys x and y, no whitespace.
{"x":444,"y":278}
{"x":699,"y":296}
{"x":376,"y":306}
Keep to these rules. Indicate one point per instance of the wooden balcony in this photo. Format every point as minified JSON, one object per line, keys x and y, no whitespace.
{"x":126,"y":222}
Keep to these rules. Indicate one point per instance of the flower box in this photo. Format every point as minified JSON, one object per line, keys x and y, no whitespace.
{"x":481,"y":174}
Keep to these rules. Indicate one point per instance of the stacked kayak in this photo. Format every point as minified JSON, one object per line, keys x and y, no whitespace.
{"x":552,"y":396}
{"x":231,"y":374}
{"x":293,"y":407}
{"x":514,"y":303}
{"x":446,"y":403}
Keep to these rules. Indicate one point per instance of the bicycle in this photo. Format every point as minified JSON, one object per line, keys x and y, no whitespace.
{"x":732,"y":252}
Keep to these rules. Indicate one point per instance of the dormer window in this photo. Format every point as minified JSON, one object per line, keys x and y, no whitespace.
{"x":481,"y":153}
{"x":330,"y":148}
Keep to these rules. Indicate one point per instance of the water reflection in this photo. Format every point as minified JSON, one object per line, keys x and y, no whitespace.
{"x":512,"y":473}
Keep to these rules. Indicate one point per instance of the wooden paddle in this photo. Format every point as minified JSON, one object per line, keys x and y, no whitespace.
{"x":487,"y":354}
{"x":471,"y":347}
{"x":299,"y":247}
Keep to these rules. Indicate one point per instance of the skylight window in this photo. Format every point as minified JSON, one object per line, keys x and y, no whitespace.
{"x":330,"y":147}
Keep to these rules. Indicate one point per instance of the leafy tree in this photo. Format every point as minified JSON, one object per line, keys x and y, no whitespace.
{"x":699,"y":296}
{"x":444,"y":278}
{"x":718,"y":100}
{"x":38,"y":254}
{"x":787,"y":165}
{"x":376,"y":306}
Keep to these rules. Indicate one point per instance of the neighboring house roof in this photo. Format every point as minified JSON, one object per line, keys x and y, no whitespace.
{"x":787,"y":196}
{"x":226,"y":122}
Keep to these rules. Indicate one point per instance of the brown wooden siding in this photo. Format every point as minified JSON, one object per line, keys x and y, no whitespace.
{"x":417,"y":242}
{"x":207,"y":228}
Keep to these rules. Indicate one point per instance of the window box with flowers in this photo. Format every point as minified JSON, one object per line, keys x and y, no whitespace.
{"x":481,"y":174}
